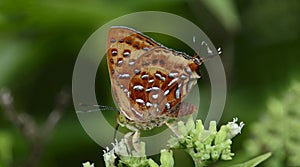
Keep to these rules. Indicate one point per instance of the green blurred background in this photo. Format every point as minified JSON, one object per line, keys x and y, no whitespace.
{"x":40,"y":41}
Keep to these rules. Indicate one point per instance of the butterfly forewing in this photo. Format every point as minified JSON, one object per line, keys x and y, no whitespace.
{"x":124,"y":46}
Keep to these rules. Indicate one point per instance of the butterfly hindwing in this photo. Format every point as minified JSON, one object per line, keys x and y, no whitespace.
{"x":161,"y":83}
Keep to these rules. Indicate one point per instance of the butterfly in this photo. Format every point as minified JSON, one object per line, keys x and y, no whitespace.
{"x":148,"y":80}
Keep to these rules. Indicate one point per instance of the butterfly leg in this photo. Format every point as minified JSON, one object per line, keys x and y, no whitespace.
{"x":132,"y":139}
{"x":128,"y":141}
{"x":174,"y":128}
{"x":136,"y":142}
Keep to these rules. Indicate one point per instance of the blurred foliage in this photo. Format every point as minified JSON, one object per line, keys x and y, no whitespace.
{"x":39,"y":42}
{"x":5,"y":149}
{"x":277,"y":130}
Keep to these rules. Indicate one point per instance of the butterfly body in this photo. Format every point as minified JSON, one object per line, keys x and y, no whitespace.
{"x":149,"y":81}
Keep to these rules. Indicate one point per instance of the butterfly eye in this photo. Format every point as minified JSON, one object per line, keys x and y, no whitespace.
{"x":197,"y":61}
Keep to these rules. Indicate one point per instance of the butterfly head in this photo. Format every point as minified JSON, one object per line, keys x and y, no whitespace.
{"x":195,"y":63}
{"x":197,"y":60}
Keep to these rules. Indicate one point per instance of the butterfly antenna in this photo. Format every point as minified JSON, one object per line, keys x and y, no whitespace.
{"x":116,"y":130}
{"x":194,"y":41}
{"x":99,"y":107}
{"x":210,"y":52}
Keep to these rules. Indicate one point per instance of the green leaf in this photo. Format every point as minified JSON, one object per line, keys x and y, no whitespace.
{"x":225,"y":12}
{"x":255,"y":161}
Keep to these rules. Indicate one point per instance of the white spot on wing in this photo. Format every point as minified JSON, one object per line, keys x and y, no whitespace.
{"x":145,"y":76}
{"x":172,"y":75}
{"x":120,"y":62}
{"x":126,"y":54}
{"x":153,"y":88}
{"x":168,"y":106}
{"x":148,"y":104}
{"x":138,"y":87}
{"x":166,"y":92}
{"x":122,"y":76}
{"x":177,"y":93}
{"x":140,"y":101}
{"x":160,"y":77}
{"x":114,"y":52}
{"x":151,"y":81}
{"x":173,"y":81}
{"x":136,"y":71}
{"x":146,"y":48}
{"x":155,"y":96}
{"x":131,"y":63}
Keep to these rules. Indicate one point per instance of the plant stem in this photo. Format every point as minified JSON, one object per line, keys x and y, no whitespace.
{"x":198,"y":162}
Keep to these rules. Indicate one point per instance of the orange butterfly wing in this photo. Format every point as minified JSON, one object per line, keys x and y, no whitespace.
{"x":148,"y":80}
{"x":164,"y":79}
{"x":124,"y":46}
